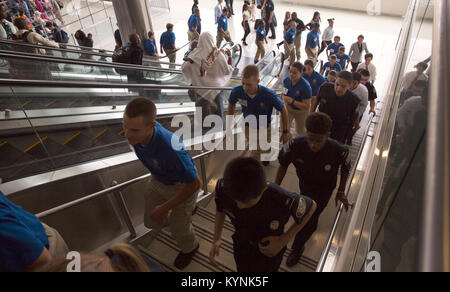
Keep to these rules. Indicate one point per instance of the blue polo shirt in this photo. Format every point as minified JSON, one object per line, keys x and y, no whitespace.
{"x":167,"y":164}
{"x":149,"y":46}
{"x":315,"y":81}
{"x":260,"y":105}
{"x":300,"y":91}
{"x":342,"y":60}
{"x":261,"y":33}
{"x":290,"y":36}
{"x":334,"y":49}
{"x":193,"y":22}
{"x":313,"y":39}
{"x":22,"y":237}
{"x":327,"y":67}
{"x":223,"y":23}
{"x":168,"y":40}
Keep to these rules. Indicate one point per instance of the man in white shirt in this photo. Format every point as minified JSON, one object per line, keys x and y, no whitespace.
{"x":411,"y":77}
{"x":363,"y":94}
{"x":369,"y":66}
{"x":327,"y":35}
{"x":218,"y":11}
{"x":7,"y":29}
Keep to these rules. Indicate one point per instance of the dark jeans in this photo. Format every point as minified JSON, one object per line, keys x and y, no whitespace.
{"x":230,"y":6}
{"x":209,"y":108}
{"x":247,"y":31}
{"x":325,"y":45}
{"x":355,"y":66}
{"x":250,"y":260}
{"x":321,"y":196}
{"x":272,"y":28}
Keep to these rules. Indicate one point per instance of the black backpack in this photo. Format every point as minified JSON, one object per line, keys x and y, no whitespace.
{"x":121,"y":56}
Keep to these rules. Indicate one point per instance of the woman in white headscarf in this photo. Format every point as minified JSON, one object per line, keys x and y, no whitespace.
{"x":207,"y":66}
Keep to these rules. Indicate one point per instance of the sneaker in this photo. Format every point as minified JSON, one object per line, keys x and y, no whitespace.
{"x":245,"y":44}
{"x":272,"y":37}
{"x":184,"y":259}
{"x":294,"y":257}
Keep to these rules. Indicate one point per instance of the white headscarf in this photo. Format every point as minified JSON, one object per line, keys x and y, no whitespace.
{"x":218,"y":75}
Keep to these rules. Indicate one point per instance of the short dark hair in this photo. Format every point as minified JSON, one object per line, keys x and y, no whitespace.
{"x":346,"y":76}
{"x":332,"y":73}
{"x":169,"y":26}
{"x":49,"y":24}
{"x":319,"y":123}
{"x":309,"y":63}
{"x":150,"y":34}
{"x":364,"y":72}
{"x":337,"y":37}
{"x":333,"y":57}
{"x":134,"y":39}
{"x":356,"y":76}
{"x":20,"y":23}
{"x":244,"y":179}
{"x":250,"y":71}
{"x":369,"y":55}
{"x":423,"y":65}
{"x":141,"y":107}
{"x":361,"y":36}
{"x":299,"y":66}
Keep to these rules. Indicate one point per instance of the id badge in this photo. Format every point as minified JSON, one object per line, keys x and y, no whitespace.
{"x":243,"y":102}
{"x":285,"y":91}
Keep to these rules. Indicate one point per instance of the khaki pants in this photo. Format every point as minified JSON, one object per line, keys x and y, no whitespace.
{"x":312,"y":54}
{"x":58,"y":247}
{"x":221,"y":36}
{"x":180,"y":218}
{"x":289,"y":52}
{"x":261,"y":52}
{"x":191,"y":36}
{"x":299,"y":116}
{"x":298,"y":44}
{"x":254,"y":142}
{"x":172,"y":57}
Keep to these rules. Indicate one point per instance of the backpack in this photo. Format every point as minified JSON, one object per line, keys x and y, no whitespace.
{"x":65,"y":36}
{"x":121,"y":56}
{"x":7,"y":29}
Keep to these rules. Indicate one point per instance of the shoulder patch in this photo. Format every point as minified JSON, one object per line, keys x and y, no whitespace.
{"x":301,"y":209}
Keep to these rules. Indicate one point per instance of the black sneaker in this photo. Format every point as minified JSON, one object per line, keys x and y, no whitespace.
{"x":184,"y":259}
{"x":294,"y":257}
{"x":272,"y":37}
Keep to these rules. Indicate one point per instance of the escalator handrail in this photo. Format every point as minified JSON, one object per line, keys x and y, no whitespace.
{"x":52,"y":59}
{"x":271,"y":63}
{"x":75,"y":84}
{"x":106,"y":191}
{"x":265,"y":57}
{"x":176,"y":51}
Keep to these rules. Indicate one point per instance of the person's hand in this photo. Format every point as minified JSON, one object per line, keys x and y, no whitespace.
{"x":285,"y":137}
{"x":159,"y":214}
{"x":288,"y":99}
{"x":340,"y":197}
{"x":266,"y":41}
{"x":356,"y":127}
{"x":214,"y":252}
{"x":271,"y":246}
{"x":372,"y":111}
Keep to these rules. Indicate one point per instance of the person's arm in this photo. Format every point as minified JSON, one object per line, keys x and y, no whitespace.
{"x":285,"y":125}
{"x":281,"y":173}
{"x":215,"y":248}
{"x":44,"y":259}
{"x":345,"y":173}
{"x":38,"y":39}
{"x":372,"y":108}
{"x":161,"y":211}
{"x":374,"y":78}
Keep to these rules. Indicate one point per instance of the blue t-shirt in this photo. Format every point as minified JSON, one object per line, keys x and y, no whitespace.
{"x":193,"y":22}
{"x":343,"y":60}
{"x":150,"y":47}
{"x":223,"y":23}
{"x":300,"y":92}
{"x":261,"y":105}
{"x":315,"y":81}
{"x":168,"y":40}
{"x":22,"y":237}
{"x":327,"y":67}
{"x":313,"y":39}
{"x":261,"y":33}
{"x":334,"y":49}
{"x":167,"y":164}
{"x":290,"y":36}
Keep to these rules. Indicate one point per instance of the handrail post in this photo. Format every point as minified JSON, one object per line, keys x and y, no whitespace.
{"x":203,"y":173}
{"x":124,"y":210}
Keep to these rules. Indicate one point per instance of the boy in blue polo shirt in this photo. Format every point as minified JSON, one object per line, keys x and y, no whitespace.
{"x":257,"y":101}
{"x":289,"y":42}
{"x":222,"y":29}
{"x":193,"y":25}
{"x":313,"y":43}
{"x":342,"y":58}
{"x":297,"y":94}
{"x":260,"y":39}
{"x":333,"y":65}
{"x":174,"y":183}
{"x":333,"y":48}
{"x":25,"y":243}
{"x":168,"y":44}
{"x":314,"y":78}
{"x":149,"y":45}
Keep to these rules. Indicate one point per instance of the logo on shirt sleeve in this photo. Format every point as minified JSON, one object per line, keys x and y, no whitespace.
{"x":301,"y":209}
{"x":274,"y":225}
{"x":328,"y":168}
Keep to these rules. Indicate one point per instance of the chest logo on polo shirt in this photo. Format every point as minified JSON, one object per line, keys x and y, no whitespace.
{"x":274,"y":225}
{"x":155,"y":163}
{"x":298,"y":93}
{"x":301,"y":208}
{"x":328,"y":168}
{"x":262,"y":105}
{"x":314,"y":81}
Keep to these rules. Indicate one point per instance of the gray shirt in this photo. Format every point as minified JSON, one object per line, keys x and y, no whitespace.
{"x":355,"y":54}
